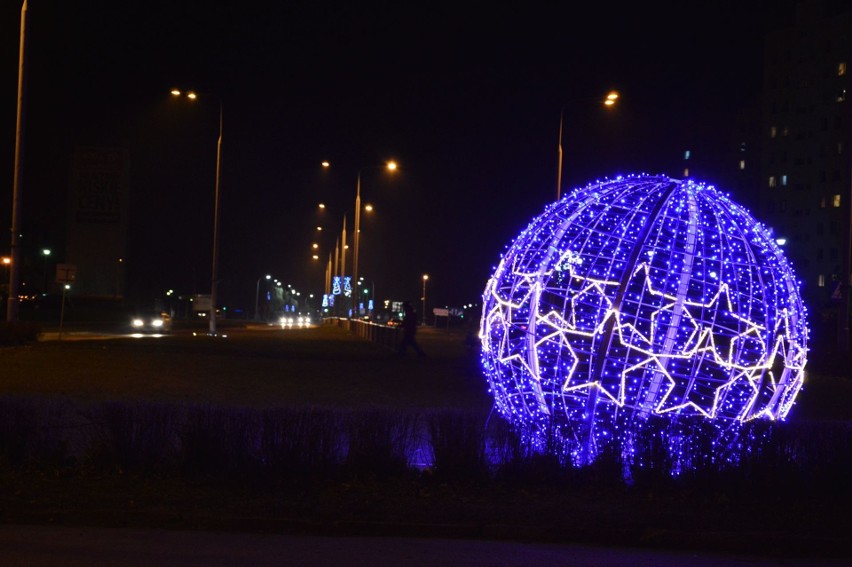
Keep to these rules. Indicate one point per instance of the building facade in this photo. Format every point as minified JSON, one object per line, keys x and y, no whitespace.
{"x":805,"y":158}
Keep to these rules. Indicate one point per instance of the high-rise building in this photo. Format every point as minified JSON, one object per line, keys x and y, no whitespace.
{"x":805,"y":181}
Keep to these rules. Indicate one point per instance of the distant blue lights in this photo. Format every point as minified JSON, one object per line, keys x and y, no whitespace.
{"x":642,"y":305}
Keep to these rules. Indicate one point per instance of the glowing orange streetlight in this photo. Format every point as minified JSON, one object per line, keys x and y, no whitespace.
{"x":609,"y":102}
{"x":390,"y":166}
{"x":214,"y":278}
{"x":425,"y":279}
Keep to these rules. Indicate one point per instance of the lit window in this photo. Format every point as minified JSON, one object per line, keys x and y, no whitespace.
{"x":686,"y":154}
{"x":841,"y":96}
{"x":686,"y":172}
{"x":742,"y":164}
{"x":784,"y":180}
{"x":821,"y":282}
{"x":772,"y":181}
{"x":773,"y":131}
{"x":785,"y":131}
{"x":841,"y":68}
{"x":836,"y":201}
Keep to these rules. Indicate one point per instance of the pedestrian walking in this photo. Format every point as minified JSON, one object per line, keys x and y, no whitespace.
{"x":409,"y":330}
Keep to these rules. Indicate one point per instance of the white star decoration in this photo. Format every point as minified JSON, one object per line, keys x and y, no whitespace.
{"x":702,"y":339}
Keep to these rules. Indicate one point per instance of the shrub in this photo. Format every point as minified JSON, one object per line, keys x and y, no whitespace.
{"x":458,"y":441}
{"x":220,"y":443}
{"x":134,"y":437}
{"x":378,"y":443}
{"x":32,"y":433}
{"x":298,"y":443}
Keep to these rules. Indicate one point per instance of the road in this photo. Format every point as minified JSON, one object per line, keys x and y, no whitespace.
{"x":48,"y":546}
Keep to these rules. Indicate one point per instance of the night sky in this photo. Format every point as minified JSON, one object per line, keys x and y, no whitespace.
{"x":466,"y":99}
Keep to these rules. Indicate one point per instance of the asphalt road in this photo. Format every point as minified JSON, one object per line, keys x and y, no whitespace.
{"x":95,"y":547}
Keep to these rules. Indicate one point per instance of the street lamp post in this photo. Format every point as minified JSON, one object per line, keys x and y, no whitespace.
{"x":7,"y":266}
{"x":609,"y":101}
{"x":390,"y":166}
{"x":425,"y":279}
{"x":214,"y":276}
{"x":45,"y":252}
{"x":257,"y":296}
{"x":14,"y":271}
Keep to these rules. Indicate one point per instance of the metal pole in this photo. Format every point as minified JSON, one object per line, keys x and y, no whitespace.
{"x":328,"y":272}
{"x":15,"y":252}
{"x":843,"y":315}
{"x":214,"y":277}
{"x":62,"y":310}
{"x":256,"y":299}
{"x":559,"y":163}
{"x":424,"y":300}
{"x":343,"y":268}
{"x":356,"y":237}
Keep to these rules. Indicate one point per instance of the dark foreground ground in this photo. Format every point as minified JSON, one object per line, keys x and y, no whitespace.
{"x":267,"y":368}
{"x":50,"y":546}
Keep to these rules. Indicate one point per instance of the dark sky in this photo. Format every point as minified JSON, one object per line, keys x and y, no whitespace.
{"x":467,"y":100}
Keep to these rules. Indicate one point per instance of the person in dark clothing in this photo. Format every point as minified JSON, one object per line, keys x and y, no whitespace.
{"x":409,"y":330}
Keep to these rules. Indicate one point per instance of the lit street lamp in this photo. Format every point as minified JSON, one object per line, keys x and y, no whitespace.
{"x":214,"y":276}
{"x":45,"y":252}
{"x":7,"y":263}
{"x":425,"y":278}
{"x":609,"y":101}
{"x":257,"y":296}
{"x":390,"y":166}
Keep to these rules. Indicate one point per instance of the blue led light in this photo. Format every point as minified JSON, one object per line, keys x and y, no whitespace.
{"x":642,"y":304}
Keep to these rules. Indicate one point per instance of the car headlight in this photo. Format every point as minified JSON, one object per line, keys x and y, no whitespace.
{"x":157,"y":323}
{"x":138,"y":323}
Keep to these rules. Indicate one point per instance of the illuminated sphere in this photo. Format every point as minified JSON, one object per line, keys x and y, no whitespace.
{"x":637,"y":304}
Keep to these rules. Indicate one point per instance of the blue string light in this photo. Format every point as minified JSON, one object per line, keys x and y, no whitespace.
{"x":642,"y":304}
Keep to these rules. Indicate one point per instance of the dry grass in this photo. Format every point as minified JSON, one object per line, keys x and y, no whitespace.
{"x":322,"y":366}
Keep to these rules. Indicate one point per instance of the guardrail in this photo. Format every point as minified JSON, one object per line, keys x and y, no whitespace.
{"x":381,"y":334}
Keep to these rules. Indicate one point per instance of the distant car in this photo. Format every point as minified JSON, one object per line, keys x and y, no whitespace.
{"x":288,"y":321}
{"x":395,"y":322}
{"x":152,"y":323}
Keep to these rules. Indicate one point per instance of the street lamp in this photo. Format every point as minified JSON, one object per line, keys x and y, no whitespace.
{"x":390,"y":166}
{"x":45,"y":252}
{"x":214,"y":276}
{"x":7,"y":263}
{"x":425,"y":278}
{"x":609,"y":102}
{"x":257,"y":296}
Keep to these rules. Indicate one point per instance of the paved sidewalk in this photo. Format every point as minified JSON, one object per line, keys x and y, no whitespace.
{"x":48,"y":546}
